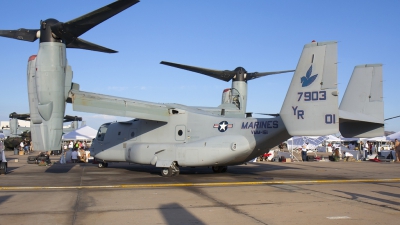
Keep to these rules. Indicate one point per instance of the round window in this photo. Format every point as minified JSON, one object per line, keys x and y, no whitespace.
{"x":180,"y":132}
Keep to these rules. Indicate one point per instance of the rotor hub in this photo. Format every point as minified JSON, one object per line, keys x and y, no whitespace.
{"x":240,"y":74}
{"x":46,"y":30}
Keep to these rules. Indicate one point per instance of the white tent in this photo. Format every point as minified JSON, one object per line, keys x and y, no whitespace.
{"x":332,"y":138}
{"x":378,"y":139}
{"x":83,"y":133}
{"x":394,"y":136}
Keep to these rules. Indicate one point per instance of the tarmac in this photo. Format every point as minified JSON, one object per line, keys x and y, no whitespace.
{"x":319,"y":192}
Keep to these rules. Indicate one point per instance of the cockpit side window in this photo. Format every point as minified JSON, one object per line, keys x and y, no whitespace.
{"x":102,"y":131}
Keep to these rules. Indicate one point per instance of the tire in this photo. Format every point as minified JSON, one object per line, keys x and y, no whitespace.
{"x":101,"y":165}
{"x":219,"y":169}
{"x":166,"y":172}
{"x":3,"y":168}
{"x":32,"y":158}
{"x":224,"y":169}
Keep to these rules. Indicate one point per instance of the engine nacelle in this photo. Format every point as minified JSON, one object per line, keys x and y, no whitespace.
{"x":48,"y":77}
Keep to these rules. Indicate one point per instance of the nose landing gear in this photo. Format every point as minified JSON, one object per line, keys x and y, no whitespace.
{"x":173,"y":170}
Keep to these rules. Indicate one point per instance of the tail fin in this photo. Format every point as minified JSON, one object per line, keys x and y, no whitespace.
{"x":361,"y":109}
{"x":311,"y":103}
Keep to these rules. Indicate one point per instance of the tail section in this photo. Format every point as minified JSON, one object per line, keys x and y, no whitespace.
{"x":361,"y":109}
{"x":311,"y":103}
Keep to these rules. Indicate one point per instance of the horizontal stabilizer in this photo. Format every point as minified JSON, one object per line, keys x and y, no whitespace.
{"x":117,"y":106}
{"x":311,"y":103}
{"x":361,"y":109}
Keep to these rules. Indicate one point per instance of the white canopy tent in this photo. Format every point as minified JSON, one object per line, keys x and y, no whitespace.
{"x":394,"y":136}
{"x":83,"y":133}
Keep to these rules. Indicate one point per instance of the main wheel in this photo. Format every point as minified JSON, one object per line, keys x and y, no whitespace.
{"x":100,"y":165}
{"x":224,"y":169}
{"x":166,"y":172}
{"x":218,"y":169}
{"x":3,"y":168}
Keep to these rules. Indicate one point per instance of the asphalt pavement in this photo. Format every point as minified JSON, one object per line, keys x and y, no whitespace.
{"x":255,"y":193}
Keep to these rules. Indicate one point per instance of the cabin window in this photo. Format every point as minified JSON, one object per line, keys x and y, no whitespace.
{"x":180,"y":132}
{"x":102,"y":132}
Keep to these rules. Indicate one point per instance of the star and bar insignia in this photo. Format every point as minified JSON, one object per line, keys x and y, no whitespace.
{"x":223,"y":126}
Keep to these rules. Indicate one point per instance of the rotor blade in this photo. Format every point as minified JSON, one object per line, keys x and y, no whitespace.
{"x":224,"y":75}
{"x":82,"y":24}
{"x":82,"y":44}
{"x":23,"y":116}
{"x":20,"y":34}
{"x":251,"y":76}
{"x":269,"y":114}
{"x":392,"y":118}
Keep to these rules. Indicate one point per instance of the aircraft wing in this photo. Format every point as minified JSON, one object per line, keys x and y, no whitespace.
{"x":116,"y":106}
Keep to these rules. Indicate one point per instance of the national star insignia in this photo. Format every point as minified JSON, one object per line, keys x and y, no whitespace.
{"x":223,"y":126}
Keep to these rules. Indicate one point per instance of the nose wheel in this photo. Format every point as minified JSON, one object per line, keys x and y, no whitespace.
{"x":173,"y":170}
{"x":219,"y":169}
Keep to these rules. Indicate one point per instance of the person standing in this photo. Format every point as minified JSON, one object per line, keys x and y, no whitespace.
{"x":22,"y":145}
{"x":71,"y":145}
{"x":365,"y":148}
{"x":397,"y":149}
{"x":369,"y":147}
{"x":304,"y":152}
{"x":74,"y":156}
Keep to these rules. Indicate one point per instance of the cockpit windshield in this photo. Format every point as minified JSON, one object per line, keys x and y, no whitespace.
{"x":102,"y":132}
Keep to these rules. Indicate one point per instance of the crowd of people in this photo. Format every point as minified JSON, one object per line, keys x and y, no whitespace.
{"x":75,"y":152}
{"x":369,"y":148}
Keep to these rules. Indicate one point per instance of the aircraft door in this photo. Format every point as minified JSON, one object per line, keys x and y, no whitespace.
{"x":180,"y":133}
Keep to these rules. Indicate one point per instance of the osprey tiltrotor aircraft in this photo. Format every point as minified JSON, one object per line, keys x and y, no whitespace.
{"x":173,"y":135}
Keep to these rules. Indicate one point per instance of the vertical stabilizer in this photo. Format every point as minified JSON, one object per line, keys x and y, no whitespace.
{"x":311,"y":103}
{"x":361,"y":109}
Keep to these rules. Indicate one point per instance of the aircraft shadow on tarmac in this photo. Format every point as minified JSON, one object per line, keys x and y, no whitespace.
{"x":356,"y":196}
{"x":11,"y":169}
{"x":62,"y":168}
{"x":388,"y":194}
{"x":4,"y":198}
{"x":252,"y":169}
{"x":169,"y":211}
{"x":232,"y":170}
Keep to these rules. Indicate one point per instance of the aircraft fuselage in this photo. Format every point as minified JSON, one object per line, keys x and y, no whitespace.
{"x":189,"y":139}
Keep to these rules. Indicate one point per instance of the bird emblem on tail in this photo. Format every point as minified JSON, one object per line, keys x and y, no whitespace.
{"x":308,"y":79}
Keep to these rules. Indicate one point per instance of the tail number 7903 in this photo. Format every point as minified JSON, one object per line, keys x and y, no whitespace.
{"x":312,"y":95}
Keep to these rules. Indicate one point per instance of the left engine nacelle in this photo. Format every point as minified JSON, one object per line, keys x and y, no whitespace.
{"x":49,"y":81}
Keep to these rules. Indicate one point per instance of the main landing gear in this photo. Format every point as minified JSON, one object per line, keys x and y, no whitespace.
{"x":219,"y":169}
{"x":173,"y":170}
{"x":102,"y":164}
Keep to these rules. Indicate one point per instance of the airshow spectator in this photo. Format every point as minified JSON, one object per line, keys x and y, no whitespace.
{"x":304,"y":152}
{"x":397,"y":149}
{"x":74,"y":156}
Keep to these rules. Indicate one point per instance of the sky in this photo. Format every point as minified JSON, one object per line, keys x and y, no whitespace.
{"x":259,"y":35}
